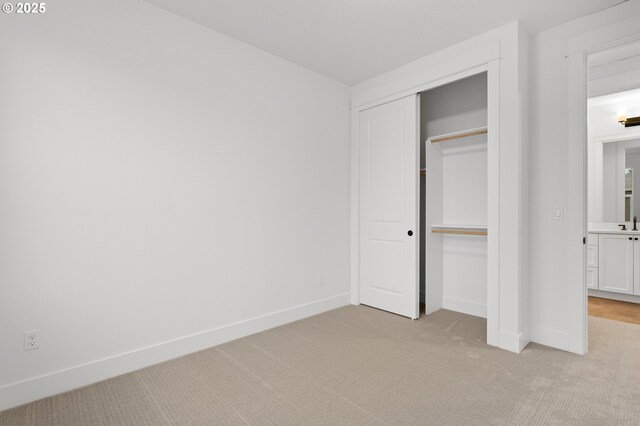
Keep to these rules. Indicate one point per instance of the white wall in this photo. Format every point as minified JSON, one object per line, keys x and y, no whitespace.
{"x":157,"y":180}
{"x":464,"y":181}
{"x":549,"y":177}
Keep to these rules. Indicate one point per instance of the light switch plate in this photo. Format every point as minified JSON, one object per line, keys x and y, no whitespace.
{"x":558,"y":213}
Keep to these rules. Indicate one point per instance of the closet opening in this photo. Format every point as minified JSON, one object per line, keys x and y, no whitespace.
{"x":454,"y":197}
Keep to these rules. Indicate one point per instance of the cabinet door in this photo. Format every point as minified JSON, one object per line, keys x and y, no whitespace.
{"x":592,"y":278}
{"x":592,"y":256}
{"x":616,"y":263}
{"x":636,"y":266}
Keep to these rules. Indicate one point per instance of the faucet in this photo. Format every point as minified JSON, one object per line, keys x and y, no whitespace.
{"x":635,"y":223}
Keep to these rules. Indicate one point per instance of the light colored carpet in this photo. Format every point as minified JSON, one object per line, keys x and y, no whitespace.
{"x":358,"y":365}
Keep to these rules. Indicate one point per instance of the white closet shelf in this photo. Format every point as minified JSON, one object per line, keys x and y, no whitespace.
{"x":459,"y":229}
{"x":458,"y":135}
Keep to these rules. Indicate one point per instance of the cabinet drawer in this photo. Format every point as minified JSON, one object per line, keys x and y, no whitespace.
{"x":592,"y":256}
{"x":592,"y":239}
{"x":592,"y":278}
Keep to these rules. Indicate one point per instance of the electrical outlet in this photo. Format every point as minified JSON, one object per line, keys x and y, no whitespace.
{"x":31,"y":340}
{"x":320,"y":280}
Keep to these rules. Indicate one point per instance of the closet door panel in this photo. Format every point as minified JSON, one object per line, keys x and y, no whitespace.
{"x":388,"y":206}
{"x":386,"y":163}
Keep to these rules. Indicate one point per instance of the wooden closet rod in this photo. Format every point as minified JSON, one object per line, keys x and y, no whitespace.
{"x":459,"y":135}
{"x":458,"y":232}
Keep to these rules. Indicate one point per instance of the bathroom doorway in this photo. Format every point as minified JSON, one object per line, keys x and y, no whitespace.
{"x":613,"y":185}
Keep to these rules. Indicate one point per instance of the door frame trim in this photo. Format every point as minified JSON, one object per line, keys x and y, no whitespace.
{"x":580,"y":48}
{"x":485,"y":59}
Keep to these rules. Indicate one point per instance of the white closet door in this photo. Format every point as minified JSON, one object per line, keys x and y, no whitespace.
{"x":389,"y":173}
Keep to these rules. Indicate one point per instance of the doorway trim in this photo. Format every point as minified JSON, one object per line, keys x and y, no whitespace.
{"x":580,"y":48}
{"x":484,"y":59}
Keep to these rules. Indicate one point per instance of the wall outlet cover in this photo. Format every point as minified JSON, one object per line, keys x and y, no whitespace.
{"x":31,"y":340}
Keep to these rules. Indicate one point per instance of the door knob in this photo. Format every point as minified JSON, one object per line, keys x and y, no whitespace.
{"x":410,"y":232}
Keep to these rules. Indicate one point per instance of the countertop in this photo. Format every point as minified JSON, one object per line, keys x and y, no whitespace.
{"x":612,"y":231}
{"x":611,"y":228}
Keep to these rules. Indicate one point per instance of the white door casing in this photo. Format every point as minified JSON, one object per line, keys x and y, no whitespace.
{"x":580,"y":46}
{"x":500,"y":61}
{"x":389,"y":200}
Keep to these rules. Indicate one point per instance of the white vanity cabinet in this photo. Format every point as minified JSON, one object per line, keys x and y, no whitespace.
{"x":592,"y":278}
{"x":618,"y":263}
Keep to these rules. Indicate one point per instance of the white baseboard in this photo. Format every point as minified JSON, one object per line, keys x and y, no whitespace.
{"x":32,"y":389}
{"x":615,"y":296}
{"x":514,"y":342}
{"x":550,"y":337}
{"x":464,"y":306}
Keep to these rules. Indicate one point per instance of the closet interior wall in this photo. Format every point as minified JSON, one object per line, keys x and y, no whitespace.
{"x":453,"y":191}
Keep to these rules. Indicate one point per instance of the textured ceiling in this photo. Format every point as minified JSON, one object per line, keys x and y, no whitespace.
{"x":354,"y":40}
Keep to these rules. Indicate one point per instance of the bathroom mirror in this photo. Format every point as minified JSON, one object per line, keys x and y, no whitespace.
{"x":614,"y":172}
{"x":618,"y":176}
{"x":614,"y":144}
